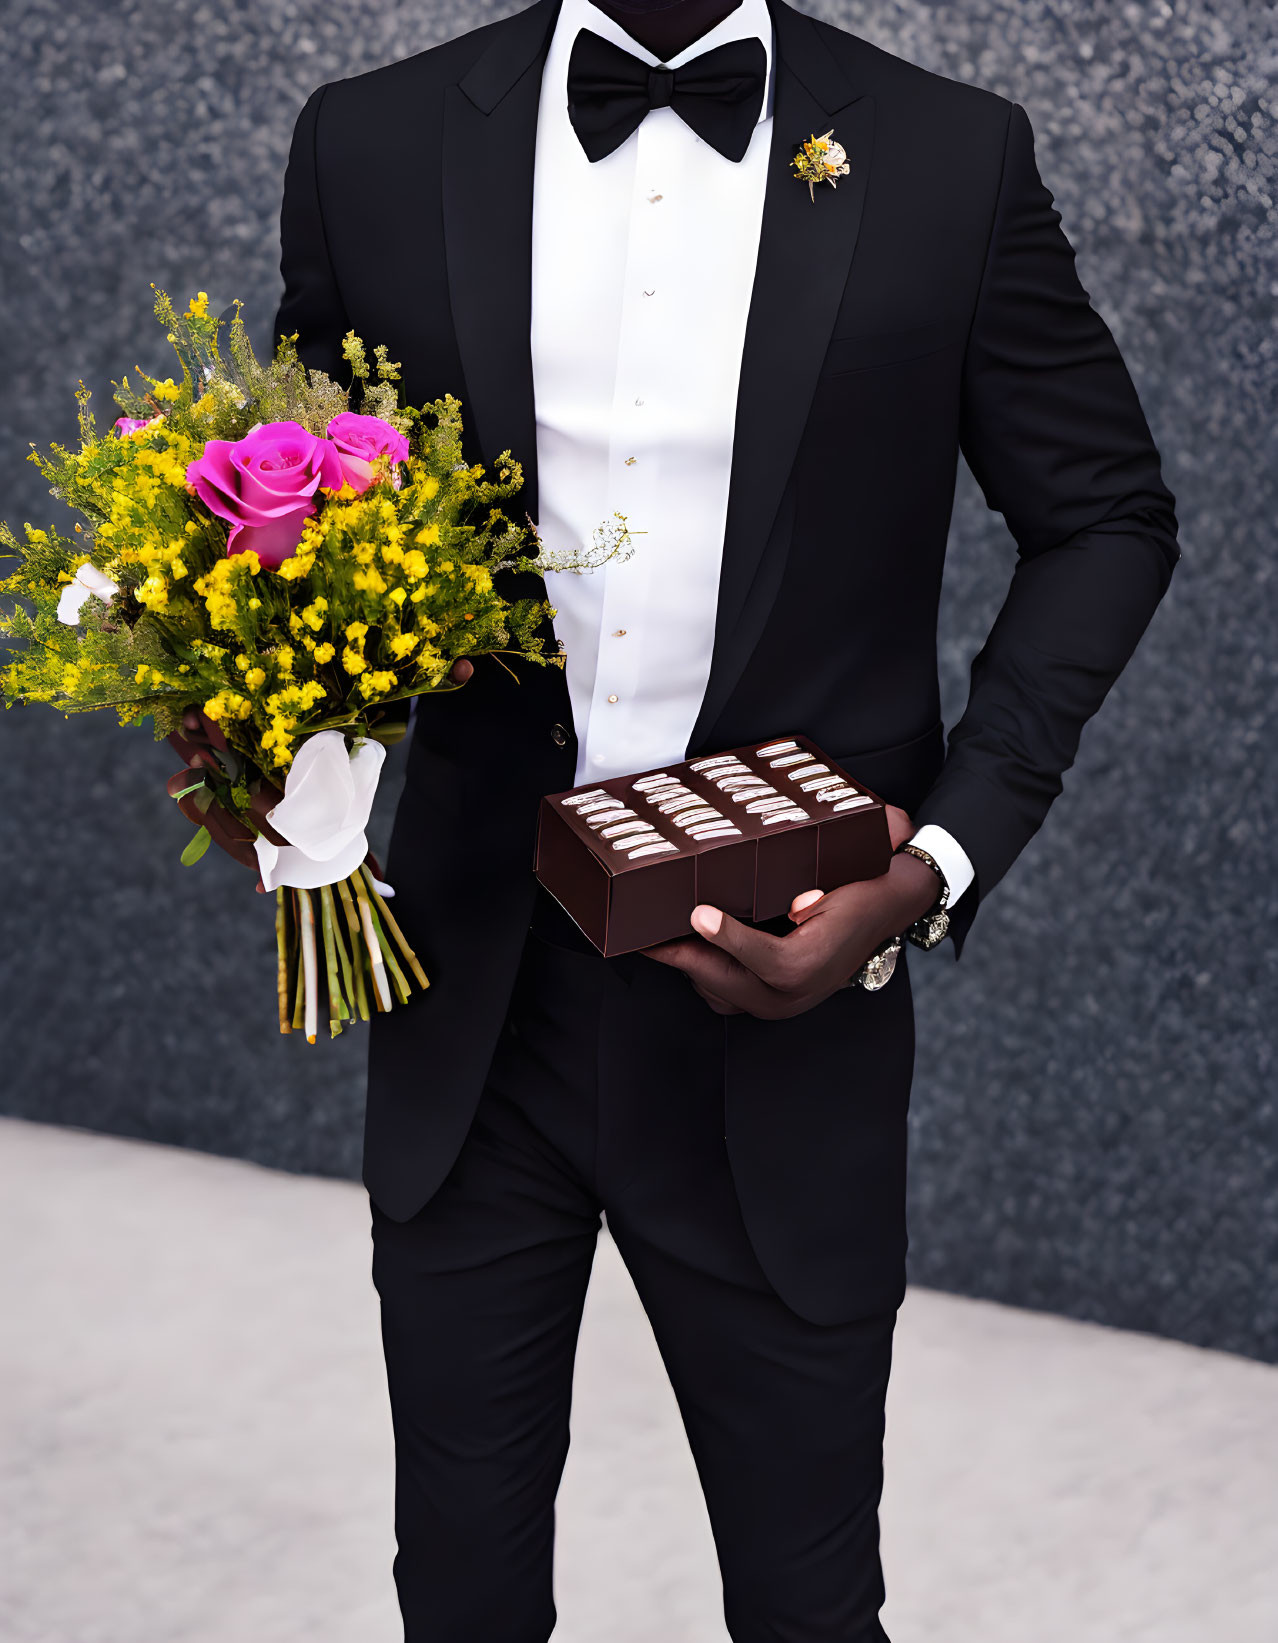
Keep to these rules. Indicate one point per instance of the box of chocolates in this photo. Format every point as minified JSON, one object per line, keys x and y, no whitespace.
{"x":747,"y":830}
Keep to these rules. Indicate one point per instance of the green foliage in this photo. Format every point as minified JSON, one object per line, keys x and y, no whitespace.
{"x":387,"y":588}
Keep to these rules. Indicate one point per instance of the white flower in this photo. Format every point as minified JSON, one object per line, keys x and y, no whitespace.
{"x":328,"y":796}
{"x":88,"y":582}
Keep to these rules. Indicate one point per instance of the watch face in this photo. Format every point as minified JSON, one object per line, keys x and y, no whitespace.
{"x":930,"y":930}
{"x":877,"y":971}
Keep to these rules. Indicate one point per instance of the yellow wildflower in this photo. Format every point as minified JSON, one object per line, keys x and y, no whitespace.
{"x":255,"y":678}
{"x":198,"y":307}
{"x":355,"y":631}
{"x":154,"y":593}
{"x":298,"y":567}
{"x":401,"y":646}
{"x":428,"y":536}
{"x":352,"y":661}
{"x":324,"y":653}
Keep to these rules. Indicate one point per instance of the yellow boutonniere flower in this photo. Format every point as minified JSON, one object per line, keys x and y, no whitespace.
{"x":821,"y":160}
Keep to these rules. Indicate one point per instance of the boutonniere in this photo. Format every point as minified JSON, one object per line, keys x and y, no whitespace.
{"x":821,"y":160}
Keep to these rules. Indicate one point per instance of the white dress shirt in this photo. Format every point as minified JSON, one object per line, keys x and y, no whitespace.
{"x":642,"y":270}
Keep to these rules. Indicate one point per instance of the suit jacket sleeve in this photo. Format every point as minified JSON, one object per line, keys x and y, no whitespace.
{"x":1052,"y":429}
{"x":311,"y":305}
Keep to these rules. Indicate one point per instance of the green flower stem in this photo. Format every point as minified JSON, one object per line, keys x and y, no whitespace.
{"x":299,"y":978}
{"x":381,"y":985}
{"x":336,"y":1003}
{"x":388,"y":919}
{"x":310,"y":967}
{"x":343,"y":957}
{"x":388,"y":955}
{"x":357,"y":947}
{"x":281,"y":953}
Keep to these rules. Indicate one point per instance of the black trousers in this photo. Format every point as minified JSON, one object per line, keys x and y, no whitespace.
{"x":606,"y":1095}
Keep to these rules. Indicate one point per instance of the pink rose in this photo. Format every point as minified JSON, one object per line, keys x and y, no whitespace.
{"x":263,"y":485}
{"x":360,"y":440}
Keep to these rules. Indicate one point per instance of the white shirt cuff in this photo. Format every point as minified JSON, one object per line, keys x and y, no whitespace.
{"x":949,"y":855}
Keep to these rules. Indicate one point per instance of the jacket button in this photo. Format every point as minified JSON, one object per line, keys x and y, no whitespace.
{"x":559,"y":735}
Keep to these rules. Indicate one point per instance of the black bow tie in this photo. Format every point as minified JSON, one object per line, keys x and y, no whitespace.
{"x":718,"y":94}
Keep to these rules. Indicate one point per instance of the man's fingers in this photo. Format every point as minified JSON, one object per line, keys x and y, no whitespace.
{"x":228,"y":832}
{"x":713,"y":971}
{"x":680,"y":955}
{"x":764,"y":955}
{"x":803,"y":904}
{"x":674,"y":953}
{"x":196,"y":753}
{"x":210,"y":729}
{"x":460,"y":671}
{"x":186,"y":777}
{"x":265,"y":799}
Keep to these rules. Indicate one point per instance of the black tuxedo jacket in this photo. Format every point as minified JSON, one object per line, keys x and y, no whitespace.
{"x":929,"y":305}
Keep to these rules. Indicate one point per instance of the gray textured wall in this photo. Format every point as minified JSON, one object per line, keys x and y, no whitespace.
{"x":1095,"y":1107}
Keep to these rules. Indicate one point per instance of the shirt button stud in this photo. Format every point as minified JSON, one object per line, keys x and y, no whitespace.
{"x":612,"y":698}
{"x":559,"y":735}
{"x":620,"y":633}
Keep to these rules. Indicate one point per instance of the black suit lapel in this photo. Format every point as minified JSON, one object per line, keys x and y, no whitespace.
{"x":805,"y":253}
{"x":489,"y":147}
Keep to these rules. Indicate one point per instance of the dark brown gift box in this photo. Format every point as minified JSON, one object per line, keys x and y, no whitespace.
{"x":623,"y":902}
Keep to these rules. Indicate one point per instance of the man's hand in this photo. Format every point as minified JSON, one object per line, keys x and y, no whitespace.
{"x":201,"y":743}
{"x":736,"y":968}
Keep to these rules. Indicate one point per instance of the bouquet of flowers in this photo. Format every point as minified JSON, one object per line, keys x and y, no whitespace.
{"x":257,"y":551}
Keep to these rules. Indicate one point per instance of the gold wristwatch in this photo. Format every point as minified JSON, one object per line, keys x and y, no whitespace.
{"x":926,"y":932}
{"x":930,"y":930}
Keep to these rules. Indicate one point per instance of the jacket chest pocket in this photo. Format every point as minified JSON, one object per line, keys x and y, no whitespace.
{"x":864,"y":352}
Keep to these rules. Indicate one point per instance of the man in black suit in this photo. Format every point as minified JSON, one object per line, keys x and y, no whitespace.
{"x":736,"y":1109}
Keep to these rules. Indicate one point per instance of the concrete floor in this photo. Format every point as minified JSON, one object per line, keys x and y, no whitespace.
{"x":196,"y":1446}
